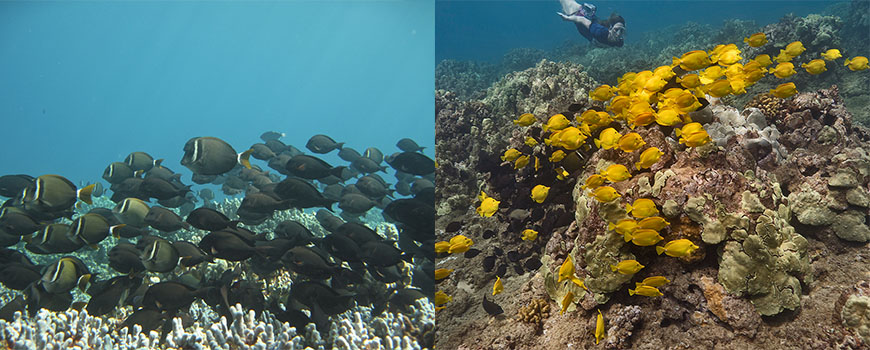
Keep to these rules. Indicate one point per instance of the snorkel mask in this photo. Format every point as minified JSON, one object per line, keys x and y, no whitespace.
{"x":617,"y":32}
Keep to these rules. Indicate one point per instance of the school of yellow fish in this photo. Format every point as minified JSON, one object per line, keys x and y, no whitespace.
{"x":637,"y":100}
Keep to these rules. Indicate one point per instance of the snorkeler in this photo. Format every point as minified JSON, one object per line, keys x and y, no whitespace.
{"x":610,"y":32}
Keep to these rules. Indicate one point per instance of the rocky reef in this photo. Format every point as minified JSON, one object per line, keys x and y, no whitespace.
{"x":777,"y":203}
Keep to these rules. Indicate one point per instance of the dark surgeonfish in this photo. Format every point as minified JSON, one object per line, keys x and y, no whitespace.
{"x":170,"y":295}
{"x":296,"y":232}
{"x":309,"y":167}
{"x":302,"y":194}
{"x":262,"y":152}
{"x":148,"y":319}
{"x":53,"y":239}
{"x":164,"y":220}
{"x":329,"y":221}
{"x":355,"y":204}
{"x":18,"y":276}
{"x":190,"y":254}
{"x":141,"y":161}
{"x":12,"y":185}
{"x":64,"y":274}
{"x":160,"y":256}
{"x":90,"y":229}
{"x":106,"y":295}
{"x":208,"y":219}
{"x":50,"y":193}
{"x":158,"y":188}
{"x":125,"y":258}
{"x":18,"y":222}
{"x":226,"y":245}
{"x":374,"y":154}
{"x":132,"y":212}
{"x":212,"y":156}
{"x":408,"y":145}
{"x":412,"y":163}
{"x":373,"y":186}
{"x":310,"y":261}
{"x":348,"y":154}
{"x":117,"y":172}
{"x":322,"y":144}
{"x":366,"y":165}
{"x":271,"y":135}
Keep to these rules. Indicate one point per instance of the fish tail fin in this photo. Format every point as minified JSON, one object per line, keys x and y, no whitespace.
{"x":613,"y":268}
{"x":114,"y":230}
{"x":637,"y":165}
{"x":234,"y":224}
{"x":631,"y":292}
{"x":339,"y":145}
{"x":597,"y":143}
{"x":846,"y":63}
{"x":84,"y":281}
{"x":627,"y":236}
{"x":675,"y":61}
{"x":85,"y":193}
{"x":138,"y":173}
{"x":610,"y":226}
{"x":628,"y":208}
{"x":660,"y":250}
{"x":245,"y":158}
{"x":157,"y":162}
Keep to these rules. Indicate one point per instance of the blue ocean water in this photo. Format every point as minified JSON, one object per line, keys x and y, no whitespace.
{"x":486,"y":30}
{"x":86,"y":83}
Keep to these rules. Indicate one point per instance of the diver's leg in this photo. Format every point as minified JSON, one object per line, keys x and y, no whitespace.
{"x":581,"y":20}
{"x":569,"y":7}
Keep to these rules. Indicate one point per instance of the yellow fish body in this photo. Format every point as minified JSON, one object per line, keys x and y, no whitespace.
{"x":641,"y":208}
{"x":511,"y":155}
{"x":442,"y":247}
{"x":677,"y":248}
{"x":569,"y":138}
{"x":644,"y":237}
{"x":630,"y":142}
{"x":689,"y":81}
{"x":616,"y":173}
{"x":442,"y":298}
{"x":566,"y":301}
{"x":763,"y":60}
{"x":831,"y":54}
{"x":531,"y":142}
{"x":566,"y":271}
{"x":654,"y":281}
{"x":648,"y":157}
{"x":710,"y":74}
{"x":646,"y":291}
{"x":782,"y":57}
{"x":460,"y":247}
{"x":539,"y":193}
{"x":619,"y":104}
{"x":525,"y":120}
{"x":718,"y":88}
{"x":623,"y":227}
{"x":556,"y":122}
{"x":656,"y":223}
{"x":488,"y":205}
{"x":593,"y":182}
{"x":856,"y":63}
{"x":557,"y":156}
{"x":756,"y":40}
{"x":784,"y":90}
{"x":642,"y":119}
{"x":602,"y":93}
{"x":529,"y":234}
{"x":816,"y":66}
{"x":693,"y":60}
{"x":605,"y":194}
{"x":497,"y":287}
{"x":627,"y":267}
{"x":668,"y":117}
{"x":521,"y":162}
{"x":693,"y":135}
{"x":599,"y":327}
{"x":441,"y":274}
{"x":795,"y":48}
{"x":607,"y":138}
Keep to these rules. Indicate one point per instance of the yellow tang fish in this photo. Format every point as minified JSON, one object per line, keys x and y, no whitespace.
{"x":668,"y":117}
{"x":729,"y":56}
{"x":566,"y":301}
{"x":525,"y":120}
{"x":677,"y":248}
{"x":488,"y":205}
{"x":630,"y":142}
{"x":529,"y":234}
{"x":782,"y":57}
{"x":605,"y":194}
{"x":570,"y":138}
{"x":539,"y":193}
{"x":641,"y":208}
{"x":607,"y":138}
{"x":497,"y":287}
{"x":763,"y":60}
{"x":642,"y":119}
{"x":794,"y":49}
{"x":649,"y":157}
{"x":693,"y":60}
{"x":644,"y":237}
{"x":689,"y":81}
{"x":441,"y":274}
{"x":654,"y":281}
{"x":616,"y":173}
{"x":442,"y":298}
{"x":646,"y":291}
{"x":784,"y":90}
{"x":599,"y":327}
{"x":664,"y":72}
{"x":653,"y":223}
{"x":697,"y":139}
{"x":521,"y":162}
{"x":556,"y":122}
{"x":816,"y":66}
{"x":856,"y":63}
{"x":557,"y":156}
{"x":831,"y":54}
{"x":460,"y":239}
{"x":461,"y":247}
{"x":756,"y":40}
{"x":619,"y":104}
{"x":710,"y":75}
{"x":511,"y":155}
{"x":531,"y":142}
{"x":566,"y":272}
{"x":718,"y":88}
{"x":602,"y":93}
{"x":593,"y":182}
{"x":623,"y":227}
{"x":442,"y":247}
{"x":627,"y":267}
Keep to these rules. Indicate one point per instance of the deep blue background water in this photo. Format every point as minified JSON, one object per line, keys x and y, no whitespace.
{"x":486,"y":30}
{"x":85,"y":83}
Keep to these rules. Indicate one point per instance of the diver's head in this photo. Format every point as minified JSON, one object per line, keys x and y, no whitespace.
{"x":617,"y":28}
